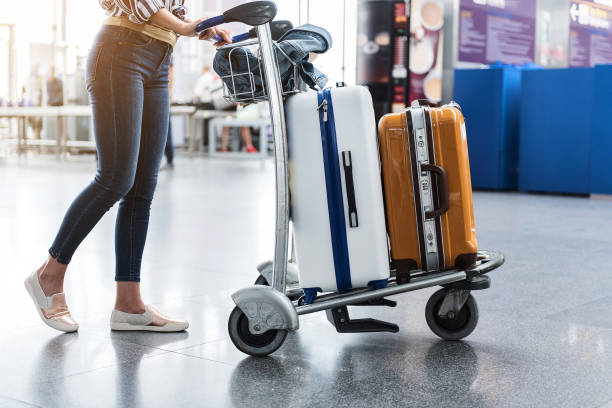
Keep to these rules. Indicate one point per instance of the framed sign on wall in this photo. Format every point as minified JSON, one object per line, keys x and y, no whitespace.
{"x":590,"y":41}
{"x":497,"y":30}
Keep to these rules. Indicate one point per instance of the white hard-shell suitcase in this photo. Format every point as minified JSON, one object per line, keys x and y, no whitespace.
{"x":336,"y":191}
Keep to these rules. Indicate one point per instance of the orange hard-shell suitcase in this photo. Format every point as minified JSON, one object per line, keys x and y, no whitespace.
{"x":431,"y":227}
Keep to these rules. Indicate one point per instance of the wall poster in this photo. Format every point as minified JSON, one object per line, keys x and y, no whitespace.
{"x":497,"y":30}
{"x":590,"y":40}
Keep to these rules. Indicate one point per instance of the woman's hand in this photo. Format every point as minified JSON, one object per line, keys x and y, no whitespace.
{"x":225,"y":35}
{"x":188,"y":29}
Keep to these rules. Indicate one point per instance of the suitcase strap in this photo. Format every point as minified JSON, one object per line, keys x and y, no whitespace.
{"x":425,"y":198}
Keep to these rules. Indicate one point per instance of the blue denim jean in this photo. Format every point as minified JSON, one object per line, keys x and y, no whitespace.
{"x":234,"y":65}
{"x":127,"y":81}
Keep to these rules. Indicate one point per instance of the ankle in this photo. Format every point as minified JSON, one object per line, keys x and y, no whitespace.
{"x":130,"y":308}
{"x":51,"y":283}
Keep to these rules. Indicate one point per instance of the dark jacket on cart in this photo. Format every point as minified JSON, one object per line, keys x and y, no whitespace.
{"x":235,"y":64}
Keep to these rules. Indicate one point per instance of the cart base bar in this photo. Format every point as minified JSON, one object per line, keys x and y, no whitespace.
{"x":487,"y":261}
{"x":364,"y":295}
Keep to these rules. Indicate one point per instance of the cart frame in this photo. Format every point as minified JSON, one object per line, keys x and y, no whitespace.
{"x":269,"y":309}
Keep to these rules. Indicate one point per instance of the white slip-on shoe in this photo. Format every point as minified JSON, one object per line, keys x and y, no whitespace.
{"x":53,"y":309}
{"x":150,"y":320}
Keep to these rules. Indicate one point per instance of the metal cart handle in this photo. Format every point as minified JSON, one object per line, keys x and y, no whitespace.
{"x":254,"y":14}
{"x":259,"y":14}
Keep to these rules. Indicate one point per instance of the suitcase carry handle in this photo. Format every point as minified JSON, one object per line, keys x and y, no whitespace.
{"x":443,"y":196}
{"x":424,"y":102}
{"x":347,"y":163}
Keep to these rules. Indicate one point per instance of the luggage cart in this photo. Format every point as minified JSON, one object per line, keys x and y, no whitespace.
{"x":267,"y":311}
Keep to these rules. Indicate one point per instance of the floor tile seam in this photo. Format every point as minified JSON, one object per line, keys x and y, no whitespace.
{"x":105,"y":367}
{"x":582,"y":324}
{"x":163,"y":352}
{"x":581,"y":305}
{"x":131,"y":342}
{"x":204,"y":358}
{"x":20,"y":401}
{"x":198,"y":345}
{"x":24,"y":329}
{"x":541,"y":318}
{"x":134,"y":343}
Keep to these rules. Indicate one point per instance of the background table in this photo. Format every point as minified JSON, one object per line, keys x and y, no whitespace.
{"x":61,"y":142}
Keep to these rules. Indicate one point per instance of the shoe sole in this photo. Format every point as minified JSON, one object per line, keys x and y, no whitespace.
{"x":48,"y":322}
{"x":169,"y":328}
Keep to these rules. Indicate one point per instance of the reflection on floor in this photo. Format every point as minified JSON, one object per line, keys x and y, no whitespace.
{"x":544,"y":337}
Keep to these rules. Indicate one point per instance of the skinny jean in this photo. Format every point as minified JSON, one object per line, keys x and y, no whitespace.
{"x":127,"y":82}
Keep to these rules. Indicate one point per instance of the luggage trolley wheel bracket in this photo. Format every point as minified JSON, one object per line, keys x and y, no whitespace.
{"x":452,"y":314}
{"x":477,"y":282}
{"x":259,"y":323}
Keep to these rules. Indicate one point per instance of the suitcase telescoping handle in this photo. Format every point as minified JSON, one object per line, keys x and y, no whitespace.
{"x":443,"y":195}
{"x":347,"y":163}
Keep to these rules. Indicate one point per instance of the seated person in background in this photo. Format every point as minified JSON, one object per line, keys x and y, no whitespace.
{"x":245,"y":113}
{"x":202,"y":92}
{"x":245,"y":133}
{"x":205,"y":86}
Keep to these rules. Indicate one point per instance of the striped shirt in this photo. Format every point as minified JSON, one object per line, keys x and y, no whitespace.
{"x":138,"y":11}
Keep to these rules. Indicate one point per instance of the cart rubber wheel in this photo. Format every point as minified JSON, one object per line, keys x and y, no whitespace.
{"x":261,"y":280}
{"x":457,"y":328}
{"x":257,"y":345}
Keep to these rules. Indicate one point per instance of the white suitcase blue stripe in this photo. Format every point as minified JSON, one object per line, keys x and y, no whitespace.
{"x":335,"y":202}
{"x":336,"y":192}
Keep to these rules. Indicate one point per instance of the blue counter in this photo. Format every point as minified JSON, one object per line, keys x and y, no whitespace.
{"x":601,"y":133}
{"x":555,"y":130}
{"x":490,"y":101}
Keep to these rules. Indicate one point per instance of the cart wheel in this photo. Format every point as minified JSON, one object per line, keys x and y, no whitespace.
{"x":261,"y":280}
{"x":457,"y":328}
{"x":257,"y":345}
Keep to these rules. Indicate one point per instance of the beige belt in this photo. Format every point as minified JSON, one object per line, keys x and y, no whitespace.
{"x":152,"y":30}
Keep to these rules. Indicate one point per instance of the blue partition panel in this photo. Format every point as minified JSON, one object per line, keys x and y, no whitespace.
{"x":490,"y":100}
{"x":555,"y":135}
{"x":601,"y":150}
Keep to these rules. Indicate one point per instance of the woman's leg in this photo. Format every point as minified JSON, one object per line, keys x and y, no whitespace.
{"x":225,"y":138}
{"x":116,"y":93}
{"x":134,"y":209}
{"x":247,"y":139}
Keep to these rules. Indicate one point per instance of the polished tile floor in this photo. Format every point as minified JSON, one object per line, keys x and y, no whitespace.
{"x":544,"y":337}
